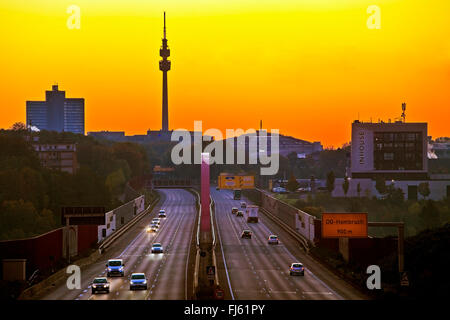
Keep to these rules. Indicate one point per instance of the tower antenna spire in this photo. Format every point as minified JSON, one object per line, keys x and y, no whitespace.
{"x":164,"y":24}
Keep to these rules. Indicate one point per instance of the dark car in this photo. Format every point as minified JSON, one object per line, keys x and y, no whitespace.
{"x":243,"y":205}
{"x":246,"y":234}
{"x":297,"y":269}
{"x":239,"y":214}
{"x":100,"y":284}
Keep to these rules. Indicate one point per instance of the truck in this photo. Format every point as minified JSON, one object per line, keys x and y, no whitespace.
{"x":237,"y":194}
{"x":252,"y":213}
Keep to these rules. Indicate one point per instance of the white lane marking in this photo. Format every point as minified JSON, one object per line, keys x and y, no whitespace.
{"x":307,"y":270}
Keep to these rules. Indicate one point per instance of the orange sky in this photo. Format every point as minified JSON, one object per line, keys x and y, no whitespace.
{"x":306,"y":67}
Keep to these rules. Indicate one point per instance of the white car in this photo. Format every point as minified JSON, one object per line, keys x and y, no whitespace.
{"x":152,"y":228}
{"x":162,"y":213}
{"x":138,"y":281}
{"x":157,"y":248}
{"x":279,"y":190}
{"x":157,"y":221}
{"x":273,"y":239}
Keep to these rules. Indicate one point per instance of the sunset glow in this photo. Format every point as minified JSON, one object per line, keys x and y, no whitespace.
{"x":308,"y":68}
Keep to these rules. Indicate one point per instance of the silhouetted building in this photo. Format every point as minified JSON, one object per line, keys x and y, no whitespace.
{"x":262,"y":143}
{"x":58,"y":156}
{"x":57,"y":113}
{"x":117,"y":136}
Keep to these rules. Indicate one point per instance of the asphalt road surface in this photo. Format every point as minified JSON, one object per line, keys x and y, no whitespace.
{"x":257,"y":270}
{"x":166,"y":273}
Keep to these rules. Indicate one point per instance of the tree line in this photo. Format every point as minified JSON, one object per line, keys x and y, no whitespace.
{"x":31,"y":195}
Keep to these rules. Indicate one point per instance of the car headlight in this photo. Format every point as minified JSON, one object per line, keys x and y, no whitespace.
{"x":121,"y":268}
{"x":109,"y":269}
{"x":94,"y":286}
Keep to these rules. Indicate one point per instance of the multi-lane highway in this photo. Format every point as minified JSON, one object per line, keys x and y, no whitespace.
{"x":166,"y":273}
{"x":248,"y":268}
{"x":253,"y":269}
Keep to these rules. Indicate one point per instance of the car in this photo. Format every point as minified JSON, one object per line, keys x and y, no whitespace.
{"x":100,"y":284}
{"x":152,"y":228}
{"x":156,"y":220}
{"x":115,"y":267}
{"x":297,"y":268}
{"x":217,"y":188}
{"x":234,"y":210}
{"x":157,"y":248}
{"x":246,"y":234}
{"x":239,"y":214}
{"x":162,"y":213}
{"x":138,"y":281}
{"x":273,"y":239}
{"x":279,"y":190}
{"x":243,"y":205}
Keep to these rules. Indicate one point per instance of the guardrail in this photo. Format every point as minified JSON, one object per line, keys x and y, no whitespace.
{"x":107,"y":242}
{"x":211,"y":213}
{"x":33,"y":277}
{"x":299,"y":237}
{"x":197,"y":255}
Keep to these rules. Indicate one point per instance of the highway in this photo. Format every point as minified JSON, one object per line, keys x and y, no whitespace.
{"x":166,"y":273}
{"x":255,"y":270}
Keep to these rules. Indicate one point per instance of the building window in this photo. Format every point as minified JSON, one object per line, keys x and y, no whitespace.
{"x":398,"y":151}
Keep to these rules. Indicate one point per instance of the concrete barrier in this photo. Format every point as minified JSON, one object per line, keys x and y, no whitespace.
{"x":57,"y":278}
{"x":127,"y":226}
{"x":61,"y":275}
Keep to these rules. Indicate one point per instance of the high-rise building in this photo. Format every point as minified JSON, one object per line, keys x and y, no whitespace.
{"x":57,"y":113}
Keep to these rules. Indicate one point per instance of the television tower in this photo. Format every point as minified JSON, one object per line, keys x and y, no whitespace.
{"x":164,"y":66}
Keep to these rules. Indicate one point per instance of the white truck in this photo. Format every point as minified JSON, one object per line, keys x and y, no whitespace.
{"x":252,"y":213}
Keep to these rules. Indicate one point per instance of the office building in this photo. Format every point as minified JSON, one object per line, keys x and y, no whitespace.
{"x":390,"y":150}
{"x":56,"y":113}
{"x":396,"y":152}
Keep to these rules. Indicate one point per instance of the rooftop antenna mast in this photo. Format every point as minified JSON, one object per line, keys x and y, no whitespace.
{"x":403,"y":111}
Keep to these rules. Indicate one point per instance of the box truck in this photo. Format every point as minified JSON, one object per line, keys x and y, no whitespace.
{"x":252,"y":213}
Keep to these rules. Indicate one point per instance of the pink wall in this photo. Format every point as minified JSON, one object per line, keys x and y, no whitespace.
{"x":205,"y":223}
